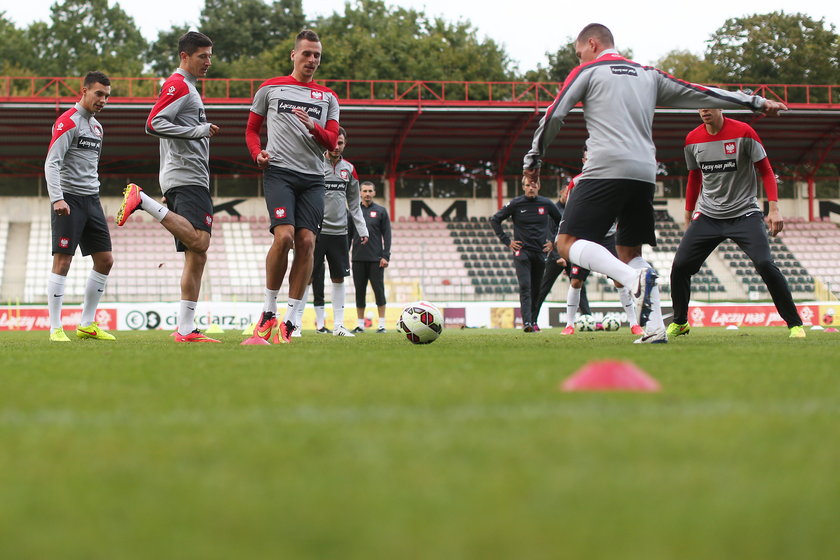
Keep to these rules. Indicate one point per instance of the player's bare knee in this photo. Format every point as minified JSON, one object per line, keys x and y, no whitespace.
{"x":102,"y":262}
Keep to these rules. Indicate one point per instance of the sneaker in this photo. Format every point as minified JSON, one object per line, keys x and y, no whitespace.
{"x":637,"y":330}
{"x":194,"y":336}
{"x":528,"y":328}
{"x":131,"y":202}
{"x":266,"y":324}
{"x":536,"y":327}
{"x":323,"y":330}
{"x":657,"y":337}
{"x":58,"y":335}
{"x":283,"y":335}
{"x":296,"y":332}
{"x":380,"y":330}
{"x":94,"y":331}
{"x":568,"y":330}
{"x":797,"y":332}
{"x":341,"y":331}
{"x":358,"y":330}
{"x":647,"y":280}
{"x":678,"y":329}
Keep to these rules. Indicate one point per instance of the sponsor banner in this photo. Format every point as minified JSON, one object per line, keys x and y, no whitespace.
{"x":151,"y":316}
{"x":38,"y":318}
{"x":746,"y":315}
{"x":454,"y":317}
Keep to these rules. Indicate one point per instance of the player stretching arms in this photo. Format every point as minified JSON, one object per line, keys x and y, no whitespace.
{"x":302,"y":121}
{"x":71,"y":171}
{"x":724,"y":159}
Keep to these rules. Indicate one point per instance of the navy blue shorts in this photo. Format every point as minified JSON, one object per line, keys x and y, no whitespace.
{"x":293,"y":198}
{"x":194,"y":204}
{"x":85,"y":227}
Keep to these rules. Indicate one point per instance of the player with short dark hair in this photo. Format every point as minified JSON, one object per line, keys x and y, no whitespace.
{"x":724,"y":159}
{"x":620,"y":97}
{"x":531,"y":215}
{"x":302,"y":121}
{"x":72,"y":173}
{"x":342,"y":192}
{"x":178,"y":119}
{"x":372,"y":258}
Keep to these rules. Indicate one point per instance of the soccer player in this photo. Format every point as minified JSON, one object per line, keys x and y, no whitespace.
{"x":724,"y":159}
{"x":179,"y":121}
{"x":576,"y":296}
{"x":301,"y":117}
{"x":72,"y":173}
{"x":371,"y":259}
{"x":530,"y":245}
{"x":342,"y":184}
{"x":619,"y":98}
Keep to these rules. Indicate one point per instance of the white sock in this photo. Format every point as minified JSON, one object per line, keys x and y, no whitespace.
{"x":595,"y":257}
{"x":292,"y":309}
{"x":319,"y":317}
{"x":628,"y":305}
{"x":55,"y":295}
{"x":299,"y":316}
{"x":186,"y":317}
{"x":94,"y":289}
{"x":157,"y":210}
{"x":338,"y":292}
{"x":655,"y":322}
{"x":572,"y":303}
{"x":382,"y":322}
{"x":271,"y":301}
{"x":360,"y":323}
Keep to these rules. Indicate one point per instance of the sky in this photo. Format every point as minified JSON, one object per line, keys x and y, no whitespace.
{"x":526,"y":28}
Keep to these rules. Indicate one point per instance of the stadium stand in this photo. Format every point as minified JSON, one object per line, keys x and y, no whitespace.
{"x":4,"y":236}
{"x":813,"y":247}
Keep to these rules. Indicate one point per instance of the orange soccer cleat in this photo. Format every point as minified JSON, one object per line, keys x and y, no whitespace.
{"x":194,"y":336}
{"x":637,"y":330}
{"x":568,"y":330}
{"x":284,"y":333}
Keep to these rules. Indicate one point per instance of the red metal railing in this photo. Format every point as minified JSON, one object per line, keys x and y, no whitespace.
{"x":377,"y":92}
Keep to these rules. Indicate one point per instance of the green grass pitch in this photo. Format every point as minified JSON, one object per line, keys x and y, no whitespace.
{"x":372,"y":448}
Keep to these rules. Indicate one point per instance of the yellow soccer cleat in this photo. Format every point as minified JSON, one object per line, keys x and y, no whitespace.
{"x":94,"y":331}
{"x":797,"y":332}
{"x":58,"y":335}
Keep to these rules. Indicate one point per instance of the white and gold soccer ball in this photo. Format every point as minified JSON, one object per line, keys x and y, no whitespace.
{"x":420,"y":322}
{"x":585,"y":323}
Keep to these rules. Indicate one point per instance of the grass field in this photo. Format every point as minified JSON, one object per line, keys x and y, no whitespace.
{"x":373,"y":448}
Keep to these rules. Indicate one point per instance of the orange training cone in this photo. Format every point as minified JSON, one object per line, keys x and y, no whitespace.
{"x":610,"y":375}
{"x":254,"y":340}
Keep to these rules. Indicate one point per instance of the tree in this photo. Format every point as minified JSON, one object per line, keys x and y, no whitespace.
{"x":239,"y":29}
{"x":775,"y":48}
{"x":372,"y":41}
{"x":686,"y":66}
{"x":16,"y":53}
{"x":86,"y":35}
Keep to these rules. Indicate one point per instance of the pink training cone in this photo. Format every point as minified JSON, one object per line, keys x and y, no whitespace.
{"x":610,"y":375}
{"x":254,"y":340}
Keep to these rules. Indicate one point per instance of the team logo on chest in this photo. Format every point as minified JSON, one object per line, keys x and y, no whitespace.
{"x":373,"y":213}
{"x":344,"y":174}
{"x":541,"y":210}
{"x":729,"y":148}
{"x":97,"y":130}
{"x":316,"y":94}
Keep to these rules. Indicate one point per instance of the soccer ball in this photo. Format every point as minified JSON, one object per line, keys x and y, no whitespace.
{"x":585,"y":323}
{"x":611,"y":324}
{"x":420,"y":322}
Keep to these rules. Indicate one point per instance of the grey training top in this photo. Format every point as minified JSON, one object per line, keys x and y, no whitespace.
{"x":342,"y":190}
{"x":72,"y":164}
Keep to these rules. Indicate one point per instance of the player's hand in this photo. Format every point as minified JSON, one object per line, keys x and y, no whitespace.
{"x":548,"y":247}
{"x":363,"y":240}
{"x":772,"y":108}
{"x":214,"y":130}
{"x":774,"y":221}
{"x":304,"y":118}
{"x":515,"y":245}
{"x":262,"y":159}
{"x":530,"y":176}
{"x":61,"y":208}
{"x":561,"y":261}
{"x":383,"y":263}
